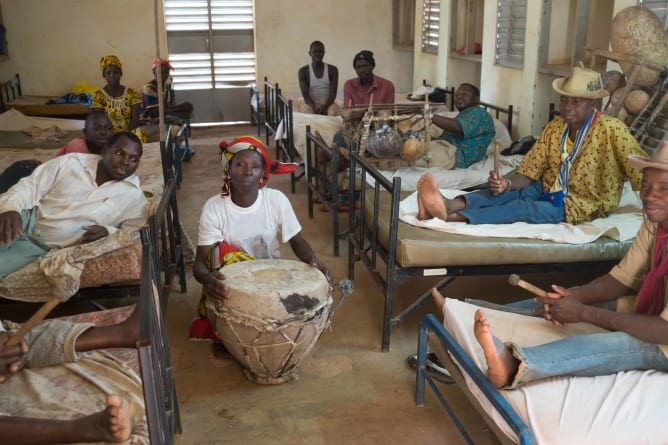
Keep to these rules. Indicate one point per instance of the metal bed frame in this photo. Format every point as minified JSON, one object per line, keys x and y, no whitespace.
{"x":271,"y":120}
{"x":365,"y":245}
{"x":323,"y":176}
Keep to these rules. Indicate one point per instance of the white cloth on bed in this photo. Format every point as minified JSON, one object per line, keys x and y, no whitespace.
{"x":14,"y":120}
{"x":620,"y":409}
{"x":326,"y":126}
{"x":621,"y":225}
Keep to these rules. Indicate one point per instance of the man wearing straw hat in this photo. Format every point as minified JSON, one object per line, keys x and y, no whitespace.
{"x":574,"y":173}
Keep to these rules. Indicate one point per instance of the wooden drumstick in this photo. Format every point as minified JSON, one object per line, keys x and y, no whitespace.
{"x":516,"y":281}
{"x":497,"y":150}
{"x":36,"y":318}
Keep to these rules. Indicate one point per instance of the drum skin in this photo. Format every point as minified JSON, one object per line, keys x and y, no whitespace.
{"x":638,"y":32}
{"x":275,"y":312}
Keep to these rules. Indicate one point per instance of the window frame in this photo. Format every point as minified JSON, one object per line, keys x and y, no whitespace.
{"x":510,"y":44}
{"x":431,"y":22}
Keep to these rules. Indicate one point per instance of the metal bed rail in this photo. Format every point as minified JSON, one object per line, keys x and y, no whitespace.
{"x":271,"y":91}
{"x":322,"y":180}
{"x":285,"y":145}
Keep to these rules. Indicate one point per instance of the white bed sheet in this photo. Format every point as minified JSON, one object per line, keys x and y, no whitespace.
{"x":14,"y":120}
{"x":621,"y":225}
{"x":623,"y":409}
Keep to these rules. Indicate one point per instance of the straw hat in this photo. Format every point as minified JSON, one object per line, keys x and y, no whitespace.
{"x":582,"y":82}
{"x":659,"y":159}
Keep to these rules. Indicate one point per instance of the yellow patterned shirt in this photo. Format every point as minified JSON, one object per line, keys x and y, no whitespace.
{"x":597,"y":174}
{"x":119,"y":109}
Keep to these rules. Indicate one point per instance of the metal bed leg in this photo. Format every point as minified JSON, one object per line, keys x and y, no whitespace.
{"x":420,"y":301}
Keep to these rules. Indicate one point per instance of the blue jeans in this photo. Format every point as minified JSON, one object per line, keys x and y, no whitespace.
{"x":581,"y":355}
{"x":23,"y":250}
{"x":520,"y":205}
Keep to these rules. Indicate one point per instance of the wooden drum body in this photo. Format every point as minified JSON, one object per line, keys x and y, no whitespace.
{"x":275,"y":312}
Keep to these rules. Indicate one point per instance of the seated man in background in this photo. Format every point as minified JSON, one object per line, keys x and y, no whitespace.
{"x":574,"y":173}
{"x":56,"y":343}
{"x":319,"y":83}
{"x":471,"y":131}
{"x":96,"y":132}
{"x":367,"y":86}
{"x":72,"y":199}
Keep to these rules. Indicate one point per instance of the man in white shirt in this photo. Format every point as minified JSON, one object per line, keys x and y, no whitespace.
{"x":72,"y":199}
{"x":318,"y":82}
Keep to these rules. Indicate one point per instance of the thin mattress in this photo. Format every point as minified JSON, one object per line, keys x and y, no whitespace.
{"x":624,"y":408}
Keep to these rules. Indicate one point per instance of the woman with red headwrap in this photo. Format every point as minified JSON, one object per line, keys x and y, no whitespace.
{"x":246,"y":221}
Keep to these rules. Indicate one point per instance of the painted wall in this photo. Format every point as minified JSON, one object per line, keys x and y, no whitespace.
{"x":285,"y":28}
{"x":55,"y":44}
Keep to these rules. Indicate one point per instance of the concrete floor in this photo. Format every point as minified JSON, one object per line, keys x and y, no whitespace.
{"x":348,"y":392}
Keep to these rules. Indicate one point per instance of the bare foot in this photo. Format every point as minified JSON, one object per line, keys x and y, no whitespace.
{"x":501,"y":365}
{"x":112,"y":424}
{"x":430,"y":200}
{"x":439,"y":299}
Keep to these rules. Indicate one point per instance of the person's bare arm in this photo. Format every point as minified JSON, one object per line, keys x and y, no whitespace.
{"x":304,"y":252}
{"x":448,"y":124}
{"x":304,"y":86}
{"x":134,"y":117}
{"x":211,"y":280}
{"x":499,"y":184}
{"x":11,"y":227}
{"x":568,"y":309}
{"x":12,"y":358}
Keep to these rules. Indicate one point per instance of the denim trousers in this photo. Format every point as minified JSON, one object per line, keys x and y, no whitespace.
{"x":581,"y":355}
{"x":520,"y":205}
{"x":25,"y":249}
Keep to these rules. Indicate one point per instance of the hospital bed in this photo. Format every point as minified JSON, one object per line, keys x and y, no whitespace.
{"x":11,"y":97}
{"x":392,"y":250}
{"x":328,"y":185}
{"x":619,"y":409}
{"x":110,"y":266}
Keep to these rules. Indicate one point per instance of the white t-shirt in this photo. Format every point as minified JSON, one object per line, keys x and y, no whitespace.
{"x":253,"y":229}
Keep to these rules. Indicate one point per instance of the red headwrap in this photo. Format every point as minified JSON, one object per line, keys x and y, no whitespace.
{"x":162,"y":62}
{"x":251,"y":143}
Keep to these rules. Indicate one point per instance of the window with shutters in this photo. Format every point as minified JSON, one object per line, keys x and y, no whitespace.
{"x":467,"y":27}
{"x":431,"y":13}
{"x":403,"y":24}
{"x":510,"y":31}
{"x":226,"y":58}
{"x":658,"y":7}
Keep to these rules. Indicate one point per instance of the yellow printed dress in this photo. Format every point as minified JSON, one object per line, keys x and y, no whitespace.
{"x":119,"y":109}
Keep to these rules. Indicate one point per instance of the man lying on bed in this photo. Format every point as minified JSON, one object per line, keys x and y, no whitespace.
{"x":637,"y":340}
{"x":55,"y":343}
{"x":574,"y":173}
{"x":72,"y":199}
{"x":96,"y":132}
{"x":470,"y":132}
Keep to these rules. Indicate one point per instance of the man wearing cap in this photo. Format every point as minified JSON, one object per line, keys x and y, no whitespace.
{"x":150,"y":97}
{"x":366,"y":86}
{"x":574,"y":173}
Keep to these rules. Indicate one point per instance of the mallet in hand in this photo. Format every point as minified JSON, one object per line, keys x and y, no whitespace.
{"x":516,"y":281}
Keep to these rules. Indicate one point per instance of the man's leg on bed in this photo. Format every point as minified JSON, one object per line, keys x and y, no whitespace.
{"x":431,"y":204}
{"x":121,"y":335}
{"x":112,"y":424}
{"x":501,"y":365}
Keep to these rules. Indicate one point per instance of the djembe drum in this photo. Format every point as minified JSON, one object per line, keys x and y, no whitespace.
{"x":275,"y":312}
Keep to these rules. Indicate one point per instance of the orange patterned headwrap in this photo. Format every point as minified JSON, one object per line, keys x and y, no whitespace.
{"x":110,"y":60}
{"x":251,"y":143}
